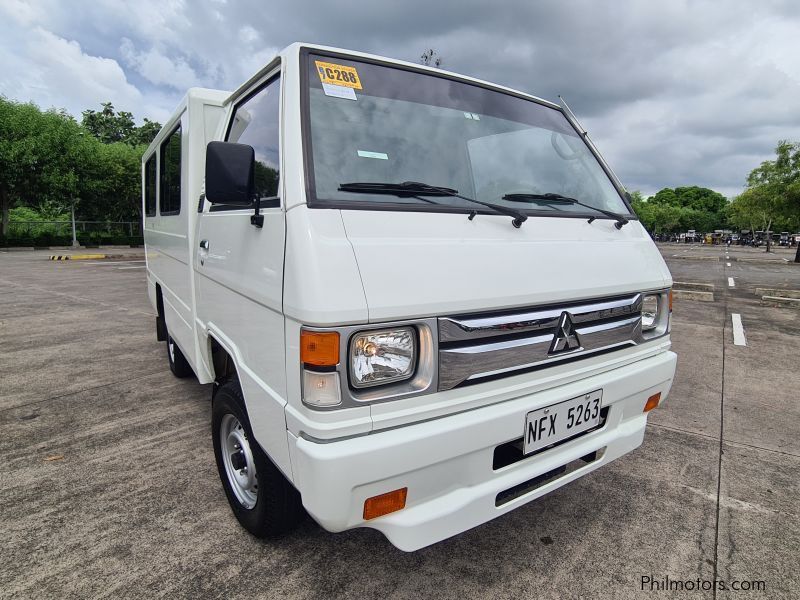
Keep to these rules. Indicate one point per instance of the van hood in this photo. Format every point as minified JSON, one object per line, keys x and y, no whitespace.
{"x":416,"y":264}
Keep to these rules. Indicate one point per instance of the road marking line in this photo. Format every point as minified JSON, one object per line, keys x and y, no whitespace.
{"x":122,"y":268}
{"x":730,"y":282}
{"x":727,"y":264}
{"x":738,"y":330}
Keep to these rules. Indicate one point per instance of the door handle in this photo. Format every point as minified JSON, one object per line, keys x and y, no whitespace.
{"x":204,"y":244}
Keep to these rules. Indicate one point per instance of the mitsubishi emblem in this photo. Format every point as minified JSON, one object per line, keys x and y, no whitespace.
{"x":565,"y":338}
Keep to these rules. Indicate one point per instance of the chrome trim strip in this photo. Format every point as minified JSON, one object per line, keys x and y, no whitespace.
{"x":455,"y":329}
{"x":457,"y":365}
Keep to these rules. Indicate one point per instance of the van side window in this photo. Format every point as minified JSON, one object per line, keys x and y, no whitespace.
{"x":171,"y":174}
{"x":256,"y":122}
{"x":150,"y":187}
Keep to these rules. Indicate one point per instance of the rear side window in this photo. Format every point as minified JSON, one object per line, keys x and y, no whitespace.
{"x":256,"y":122}
{"x":150,"y":187}
{"x":171,"y":174}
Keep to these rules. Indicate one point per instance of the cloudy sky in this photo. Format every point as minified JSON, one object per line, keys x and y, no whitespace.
{"x":674,"y":93}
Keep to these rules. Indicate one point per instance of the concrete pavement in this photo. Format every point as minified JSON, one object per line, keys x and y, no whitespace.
{"x":135,"y":508}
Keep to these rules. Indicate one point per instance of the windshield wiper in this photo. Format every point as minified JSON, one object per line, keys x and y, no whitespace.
{"x":559,"y":199}
{"x":415,"y":189}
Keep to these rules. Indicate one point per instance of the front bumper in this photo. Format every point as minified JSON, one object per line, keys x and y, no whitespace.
{"x":446,"y":463}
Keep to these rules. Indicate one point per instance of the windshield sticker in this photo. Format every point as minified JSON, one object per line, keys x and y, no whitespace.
{"x":338,"y":91}
{"x":380,"y":155}
{"x":467,"y":115}
{"x":476,"y":117}
{"x":341,"y":75}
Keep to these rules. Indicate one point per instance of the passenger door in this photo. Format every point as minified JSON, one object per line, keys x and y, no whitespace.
{"x":240,"y":267}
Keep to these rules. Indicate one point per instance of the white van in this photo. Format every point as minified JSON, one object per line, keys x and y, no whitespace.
{"x":423,"y":299}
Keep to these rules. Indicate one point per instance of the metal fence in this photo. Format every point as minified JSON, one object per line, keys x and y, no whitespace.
{"x":32,"y":229}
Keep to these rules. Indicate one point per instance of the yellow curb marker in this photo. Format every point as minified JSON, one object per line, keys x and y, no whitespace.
{"x":78,"y":256}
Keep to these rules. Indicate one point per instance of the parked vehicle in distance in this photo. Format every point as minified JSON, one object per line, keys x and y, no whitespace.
{"x":423,"y":299}
{"x":784,"y":239}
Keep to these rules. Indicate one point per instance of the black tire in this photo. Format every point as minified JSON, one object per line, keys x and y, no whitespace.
{"x":178,"y":364}
{"x":278,"y":508}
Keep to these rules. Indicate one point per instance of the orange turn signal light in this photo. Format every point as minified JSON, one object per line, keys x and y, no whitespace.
{"x":377,"y":506}
{"x":652,"y":402}
{"x":319,"y":348}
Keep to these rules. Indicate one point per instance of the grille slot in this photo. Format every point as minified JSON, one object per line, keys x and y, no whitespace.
{"x":525,"y":487}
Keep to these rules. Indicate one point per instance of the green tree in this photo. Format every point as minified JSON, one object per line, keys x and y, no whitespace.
{"x":49,"y":162}
{"x":113,"y":187}
{"x":772,"y":194}
{"x":107,"y":125}
{"x":43,"y":157}
{"x":682,"y":208}
{"x":110,"y":126}
{"x":146,"y":133}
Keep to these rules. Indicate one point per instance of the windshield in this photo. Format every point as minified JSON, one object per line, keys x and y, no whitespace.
{"x":374,"y":123}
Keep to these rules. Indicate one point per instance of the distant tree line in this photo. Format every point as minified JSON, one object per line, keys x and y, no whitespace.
{"x":769,"y":202}
{"x":682,"y":208}
{"x":49,"y":161}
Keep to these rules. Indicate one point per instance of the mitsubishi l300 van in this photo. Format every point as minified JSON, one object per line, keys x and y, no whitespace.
{"x":423,"y":300}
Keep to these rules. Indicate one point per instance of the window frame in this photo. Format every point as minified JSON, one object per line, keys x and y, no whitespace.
{"x":266,"y":201}
{"x":161,"y":151}
{"x":154,"y":212}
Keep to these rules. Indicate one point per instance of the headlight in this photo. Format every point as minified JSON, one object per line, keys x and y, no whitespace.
{"x":650,"y":312}
{"x":385,"y":356}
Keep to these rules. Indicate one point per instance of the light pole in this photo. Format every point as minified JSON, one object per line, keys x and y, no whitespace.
{"x":74,"y":235}
{"x":74,"y":200}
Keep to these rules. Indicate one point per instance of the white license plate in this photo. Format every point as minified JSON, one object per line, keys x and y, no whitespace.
{"x":547,"y":426}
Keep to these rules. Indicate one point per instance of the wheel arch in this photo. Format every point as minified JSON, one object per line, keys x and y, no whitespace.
{"x":161,"y":322}
{"x":264,"y":409}
{"x":223,"y":362}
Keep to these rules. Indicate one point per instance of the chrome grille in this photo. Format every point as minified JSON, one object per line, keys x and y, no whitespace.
{"x":478,"y":346}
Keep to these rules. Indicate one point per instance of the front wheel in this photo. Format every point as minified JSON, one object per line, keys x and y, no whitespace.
{"x":261,"y":498}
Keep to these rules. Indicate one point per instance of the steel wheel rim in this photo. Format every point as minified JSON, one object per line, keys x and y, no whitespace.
{"x":238,"y":460}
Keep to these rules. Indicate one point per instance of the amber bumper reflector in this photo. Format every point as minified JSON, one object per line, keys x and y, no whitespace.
{"x":652,"y":402}
{"x":377,"y":506}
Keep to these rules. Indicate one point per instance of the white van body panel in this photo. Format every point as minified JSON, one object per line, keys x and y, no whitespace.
{"x":169,"y":240}
{"x":323,"y":283}
{"x":422,"y":264}
{"x":253,"y":290}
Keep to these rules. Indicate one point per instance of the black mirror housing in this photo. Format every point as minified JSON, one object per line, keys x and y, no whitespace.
{"x":230,"y":173}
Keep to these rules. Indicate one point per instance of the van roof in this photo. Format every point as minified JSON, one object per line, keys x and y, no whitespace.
{"x":201,"y":95}
{"x":293,"y":50}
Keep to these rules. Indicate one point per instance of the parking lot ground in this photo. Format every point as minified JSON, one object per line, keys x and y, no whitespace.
{"x":109,"y":487}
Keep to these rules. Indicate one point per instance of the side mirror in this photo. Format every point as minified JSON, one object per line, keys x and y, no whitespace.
{"x":230,"y":172}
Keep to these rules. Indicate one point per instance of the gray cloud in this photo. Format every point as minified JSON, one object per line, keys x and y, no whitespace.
{"x":674,"y":93}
